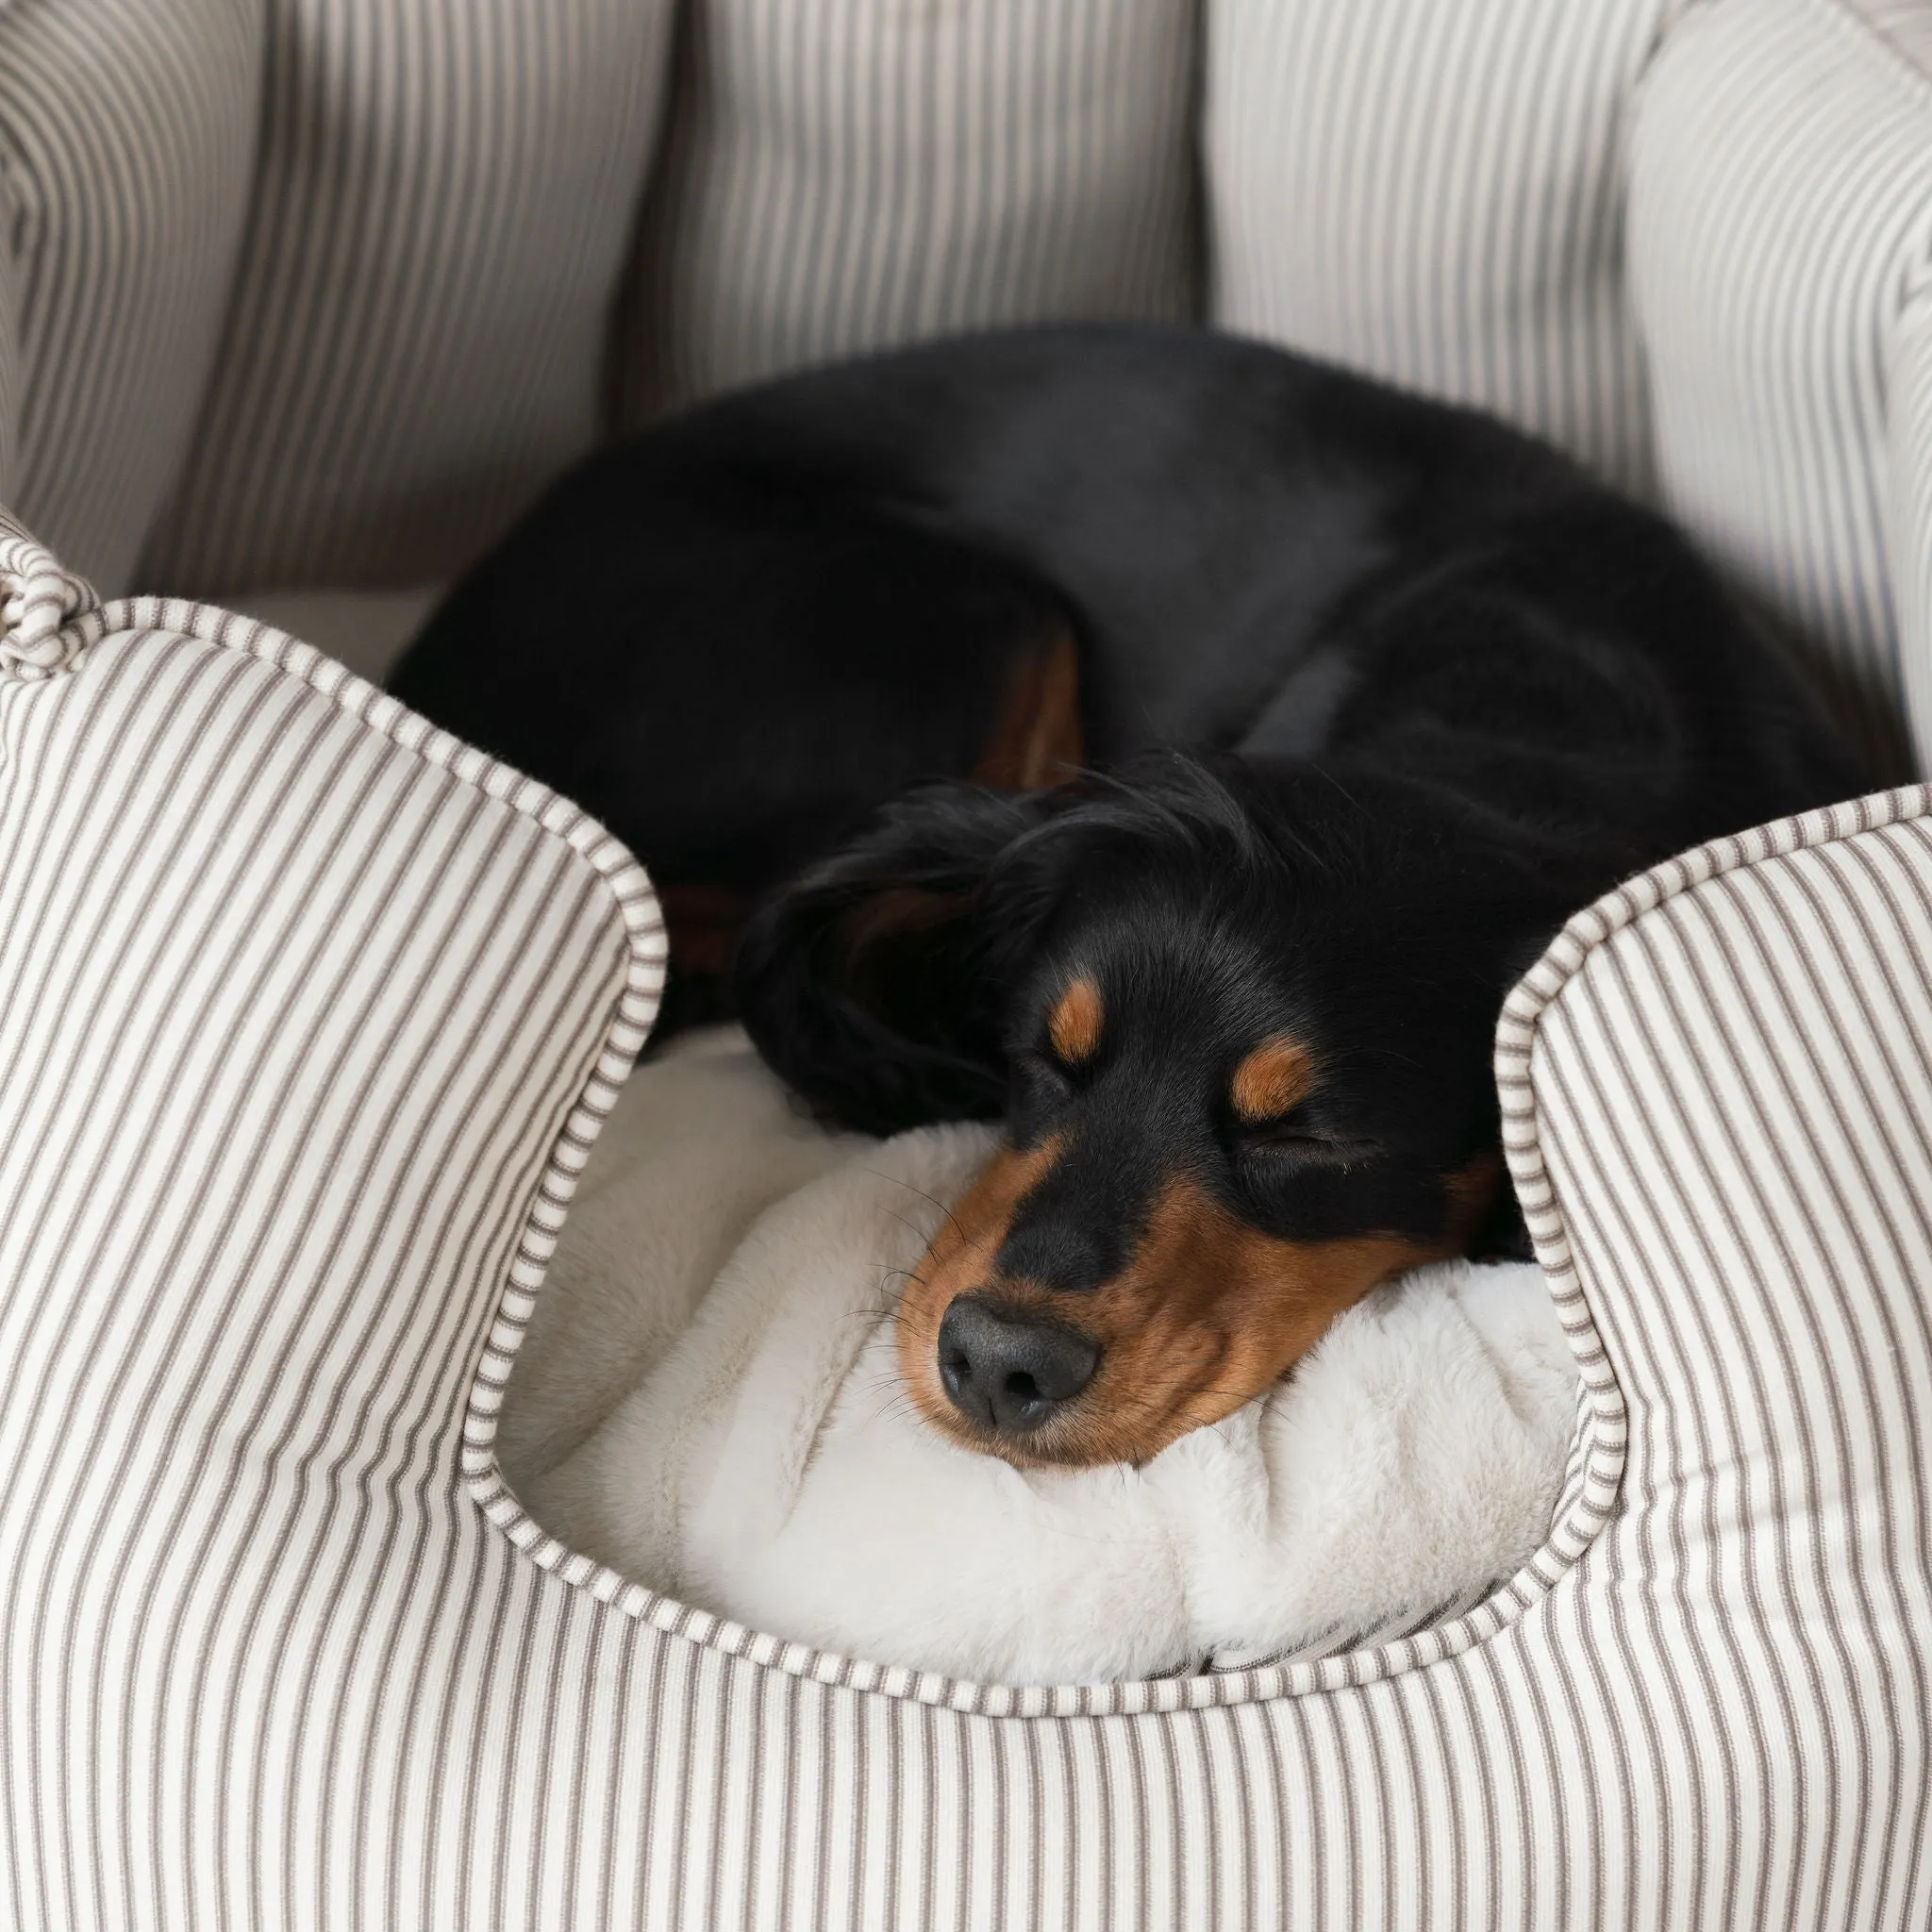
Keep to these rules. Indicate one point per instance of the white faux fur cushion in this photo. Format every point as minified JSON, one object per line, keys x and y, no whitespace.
{"x":766,"y":1463}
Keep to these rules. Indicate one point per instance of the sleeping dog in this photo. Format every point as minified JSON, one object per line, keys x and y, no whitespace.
{"x":1169,"y":745}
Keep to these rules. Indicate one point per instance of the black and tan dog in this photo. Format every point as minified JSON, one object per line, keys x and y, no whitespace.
{"x":1376,"y":692}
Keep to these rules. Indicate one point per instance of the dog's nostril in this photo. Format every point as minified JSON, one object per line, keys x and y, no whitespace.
{"x":955,"y":1370}
{"x":1008,"y":1372}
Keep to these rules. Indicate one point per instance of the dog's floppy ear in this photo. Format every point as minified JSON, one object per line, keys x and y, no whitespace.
{"x":873,"y":983}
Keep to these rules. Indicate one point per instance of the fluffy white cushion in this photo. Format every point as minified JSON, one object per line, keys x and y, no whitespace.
{"x":764,"y":1461}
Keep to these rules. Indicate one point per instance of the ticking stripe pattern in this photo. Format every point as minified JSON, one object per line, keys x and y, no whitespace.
{"x":307,"y":1018}
{"x":856,"y":173}
{"x":126,"y":149}
{"x":443,"y":201}
{"x":1781,"y":247}
{"x":1433,"y":193}
{"x":39,"y":604}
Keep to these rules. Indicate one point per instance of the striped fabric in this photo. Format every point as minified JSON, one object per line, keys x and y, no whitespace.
{"x":308,"y":1016}
{"x":126,"y":148}
{"x":40,"y":602}
{"x":856,"y":172}
{"x":306,"y":1013}
{"x":1781,"y":248}
{"x":443,"y":202}
{"x":1432,"y":193}
{"x":1905,"y":25}
{"x":12,"y":202}
{"x":1907,"y":497}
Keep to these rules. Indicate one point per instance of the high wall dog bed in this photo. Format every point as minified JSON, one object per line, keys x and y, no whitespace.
{"x":310,"y":1013}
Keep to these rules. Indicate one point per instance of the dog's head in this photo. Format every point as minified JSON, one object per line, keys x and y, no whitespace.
{"x":1238,"y":1024}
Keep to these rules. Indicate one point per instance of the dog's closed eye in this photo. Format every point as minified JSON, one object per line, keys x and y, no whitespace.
{"x":1293,"y":1129}
{"x":1042,"y":1080}
{"x":1274,"y":1119}
{"x":1295,"y":1139}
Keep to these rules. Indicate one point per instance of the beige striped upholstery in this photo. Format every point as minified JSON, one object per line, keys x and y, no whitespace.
{"x":1781,"y":246}
{"x":1432,"y":193}
{"x":857,"y":172}
{"x":307,"y":1015}
{"x":126,"y":138}
{"x":413,"y":346}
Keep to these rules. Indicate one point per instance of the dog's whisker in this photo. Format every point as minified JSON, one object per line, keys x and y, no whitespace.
{"x":911,"y":1226}
{"x":924,"y":1194}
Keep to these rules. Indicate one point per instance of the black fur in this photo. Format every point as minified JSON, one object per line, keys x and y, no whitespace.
{"x":1384,"y":689}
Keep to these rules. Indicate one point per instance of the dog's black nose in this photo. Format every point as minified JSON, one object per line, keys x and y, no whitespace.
{"x":1008,"y":1373}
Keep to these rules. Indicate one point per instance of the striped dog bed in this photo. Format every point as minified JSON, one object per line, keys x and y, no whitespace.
{"x":304,"y":1045}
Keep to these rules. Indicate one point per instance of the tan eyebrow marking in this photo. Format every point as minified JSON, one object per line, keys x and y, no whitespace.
{"x":1074,"y":1025}
{"x":1269,"y":1080}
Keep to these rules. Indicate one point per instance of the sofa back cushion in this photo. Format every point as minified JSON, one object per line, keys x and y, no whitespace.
{"x":1433,"y":195}
{"x":858,"y":172}
{"x":126,"y":155}
{"x":444,"y":195}
{"x":1781,"y":267}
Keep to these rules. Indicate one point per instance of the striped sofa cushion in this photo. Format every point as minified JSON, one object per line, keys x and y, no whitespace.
{"x":1433,"y":193}
{"x":856,"y":172}
{"x":443,"y":199}
{"x":308,"y":1016}
{"x":127,"y":145}
{"x":1781,"y":267}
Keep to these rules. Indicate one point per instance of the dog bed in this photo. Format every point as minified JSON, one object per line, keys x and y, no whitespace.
{"x":744,"y":1441}
{"x":309,"y":1017}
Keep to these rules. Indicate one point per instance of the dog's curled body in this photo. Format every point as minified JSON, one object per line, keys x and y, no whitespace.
{"x":1377,"y":692}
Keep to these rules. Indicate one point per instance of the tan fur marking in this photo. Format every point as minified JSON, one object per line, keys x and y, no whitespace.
{"x":1269,"y":1080}
{"x":702,"y":924}
{"x":1207,"y":1313}
{"x":1074,"y":1025}
{"x":1037,"y":741}
{"x":1472,"y":1193}
{"x":894,"y":911}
